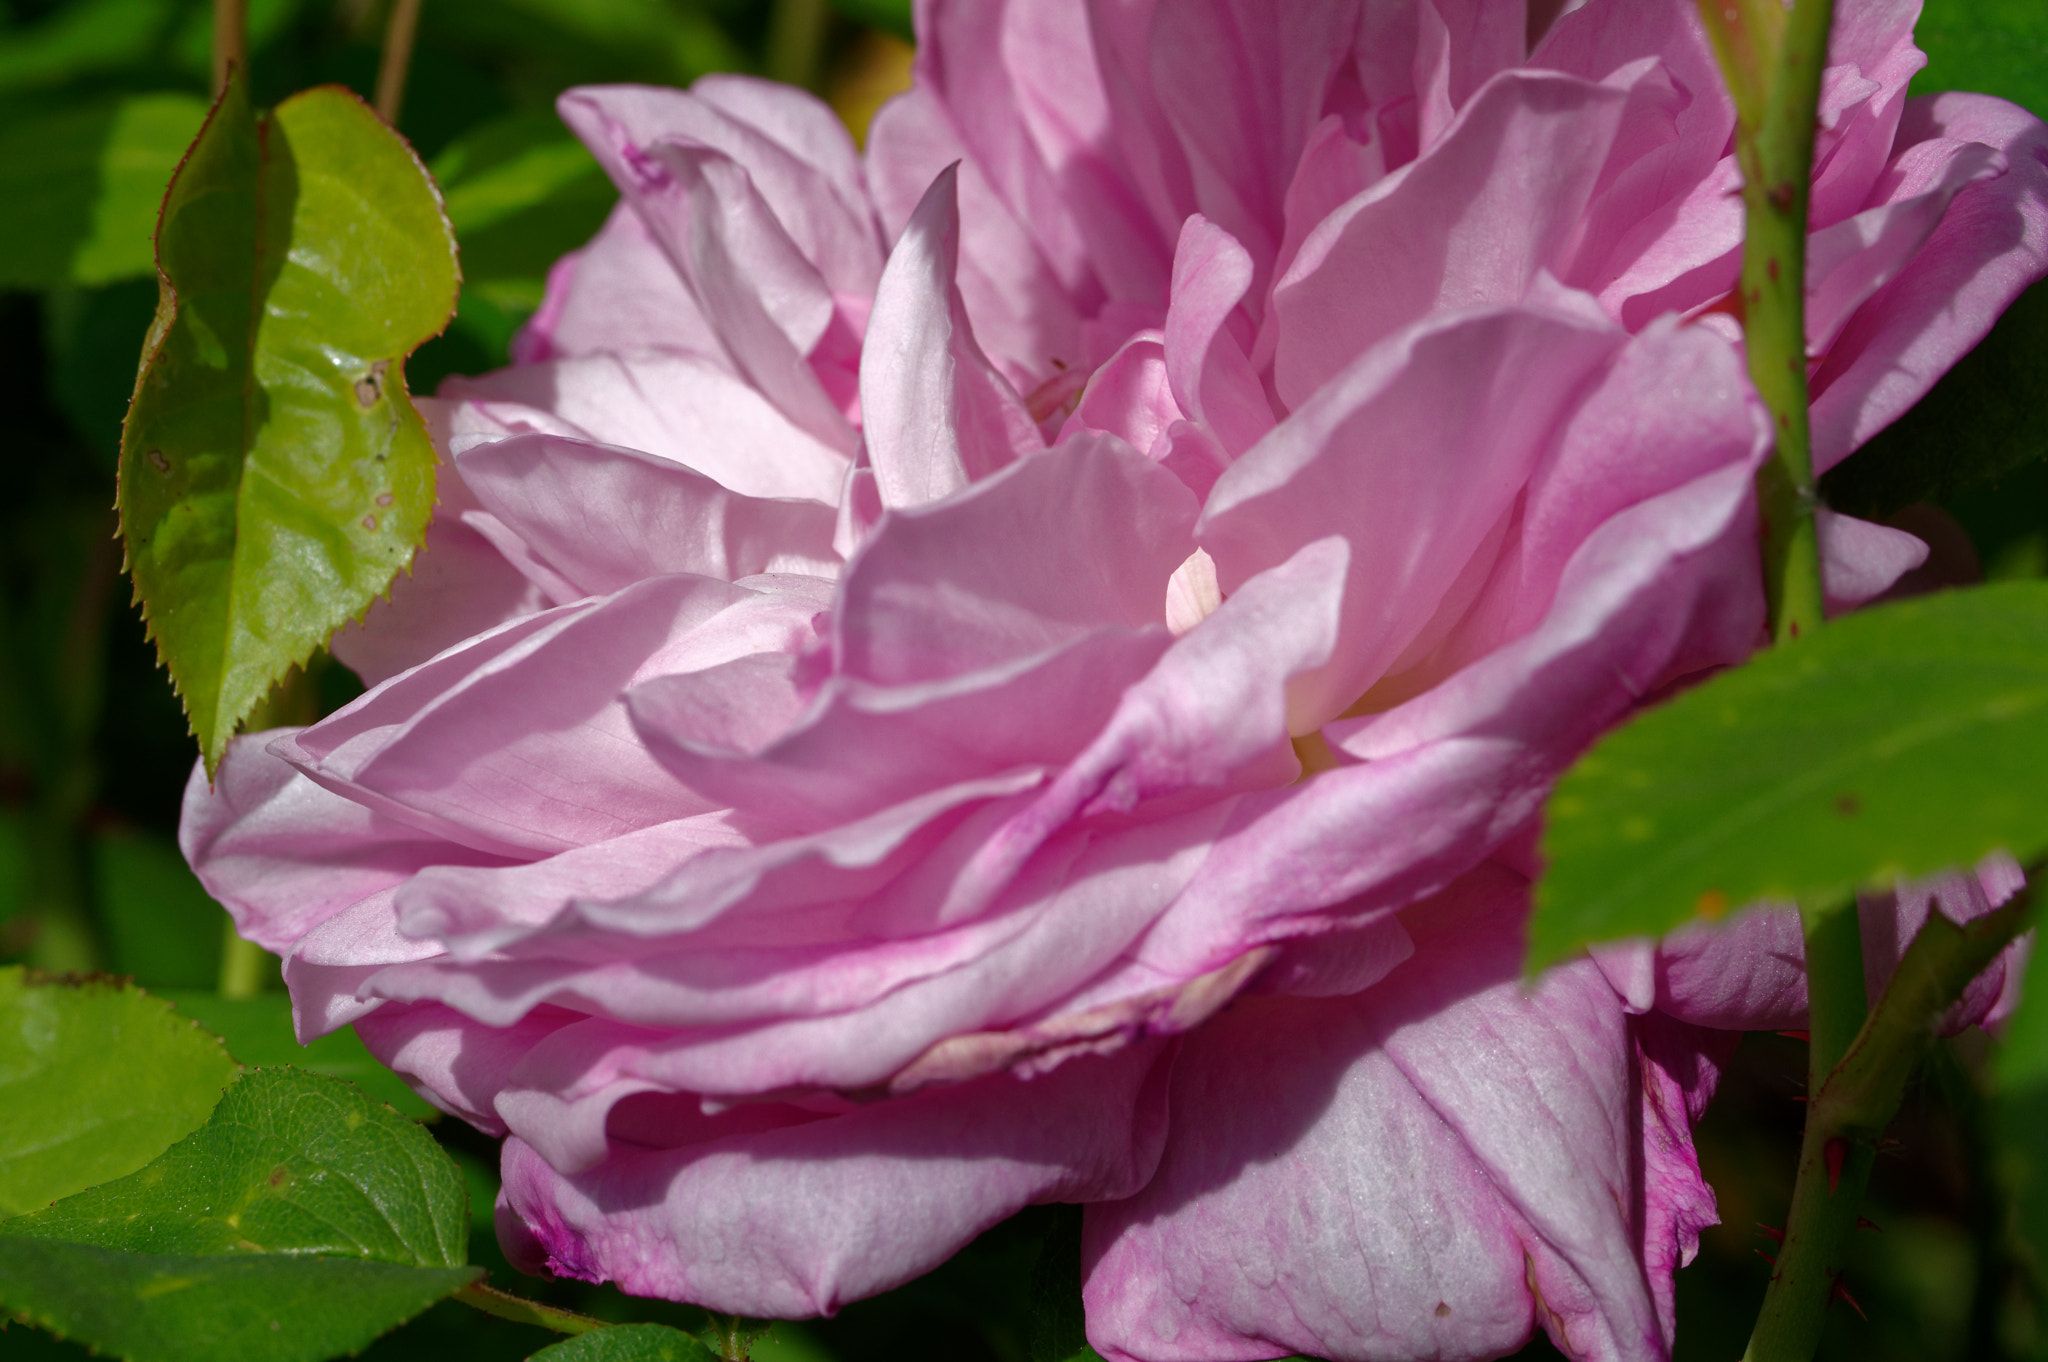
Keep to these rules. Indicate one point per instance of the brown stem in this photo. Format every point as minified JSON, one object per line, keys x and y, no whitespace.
{"x":397,"y":58}
{"x":230,"y":40}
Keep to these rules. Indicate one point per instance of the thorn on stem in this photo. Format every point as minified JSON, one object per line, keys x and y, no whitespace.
{"x":1866,"y":1224}
{"x":1796,"y":1035}
{"x":1767,"y":1257}
{"x":1835,"y":1151}
{"x":1841,"y":1293}
{"x":1775,"y":1236}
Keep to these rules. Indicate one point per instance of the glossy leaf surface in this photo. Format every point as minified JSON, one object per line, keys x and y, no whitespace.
{"x":251,"y":1308}
{"x":96,"y":1079}
{"x":289,"y":1162}
{"x":300,"y":1222}
{"x":1895,"y":742}
{"x":274,"y":474}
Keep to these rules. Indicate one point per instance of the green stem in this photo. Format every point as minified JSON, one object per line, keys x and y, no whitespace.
{"x":1849,"y":1110}
{"x":244,"y":966}
{"x":396,"y":60}
{"x":1773,"y":63}
{"x":505,"y":1305}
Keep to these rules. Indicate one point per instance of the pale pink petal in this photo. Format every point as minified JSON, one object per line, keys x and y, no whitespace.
{"x":1206,"y":336}
{"x":1861,"y":560}
{"x":525,"y":746}
{"x":678,"y":407}
{"x":1063,"y":542}
{"x":1414,"y":453}
{"x":1662,"y":589}
{"x":619,"y":294}
{"x":936,"y":414}
{"x":751,"y":279}
{"x":283,"y":855}
{"x":1129,"y":397}
{"x":798,"y":1221}
{"x":1023,"y":315}
{"x":605,"y":517}
{"x":1429,"y":1168}
{"x":1469,"y":225}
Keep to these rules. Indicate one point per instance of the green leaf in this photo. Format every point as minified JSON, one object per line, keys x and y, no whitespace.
{"x":301,"y":1221}
{"x":253,"y":1308}
{"x":1997,"y":47}
{"x":83,"y":186}
{"x":628,"y":1343}
{"x":258,"y":1031}
{"x":274,"y":474}
{"x":78,"y":39}
{"x":289,"y":1162}
{"x":1987,"y":416}
{"x":521,"y":192}
{"x":96,"y":1079}
{"x":1894,"y":742}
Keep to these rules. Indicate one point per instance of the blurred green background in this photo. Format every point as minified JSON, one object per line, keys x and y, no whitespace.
{"x":98,"y":98}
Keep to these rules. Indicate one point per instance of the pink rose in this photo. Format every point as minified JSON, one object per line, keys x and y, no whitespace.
{"x":1024,"y":668}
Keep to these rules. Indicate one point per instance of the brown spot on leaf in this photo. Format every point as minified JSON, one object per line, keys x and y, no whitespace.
{"x":1848,"y":805}
{"x":369,"y":522}
{"x":158,"y":461}
{"x":370,"y":387}
{"x":385,"y":498}
{"x":1711,"y":905}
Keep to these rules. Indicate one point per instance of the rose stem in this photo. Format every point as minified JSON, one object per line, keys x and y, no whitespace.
{"x":396,"y":60}
{"x":505,"y":1305}
{"x":230,"y":41}
{"x":1865,"y":1082}
{"x":1773,"y":63}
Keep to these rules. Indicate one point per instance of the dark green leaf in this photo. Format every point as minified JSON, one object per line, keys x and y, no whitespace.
{"x":629,"y":1343}
{"x":89,"y":335}
{"x":98,"y":35}
{"x":83,"y":186}
{"x":258,"y":1031}
{"x":891,"y":16}
{"x":521,"y":192}
{"x":1895,"y":742}
{"x":1997,"y":47}
{"x":274,"y":474}
{"x":289,"y":1162}
{"x":247,"y":1308}
{"x":96,"y":1079}
{"x":1987,"y":416}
